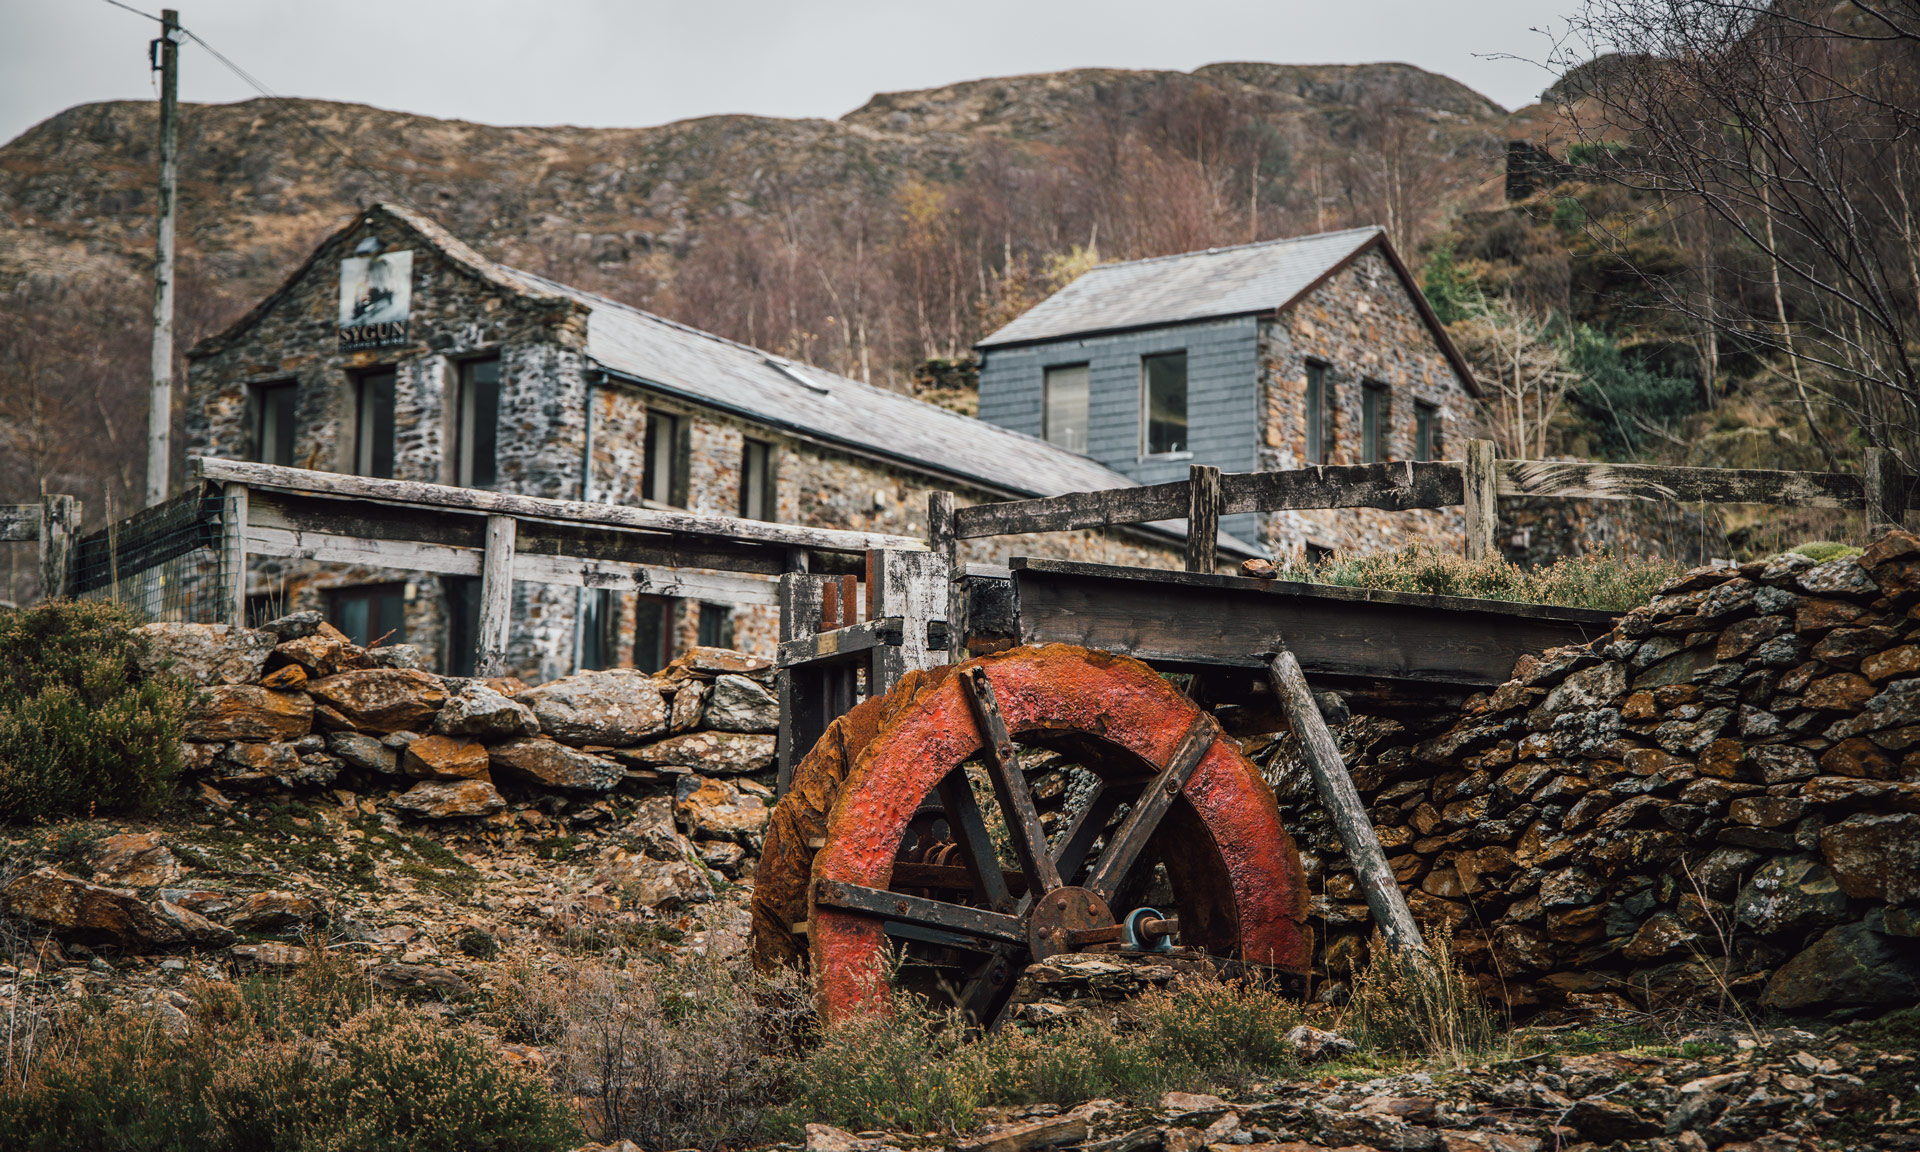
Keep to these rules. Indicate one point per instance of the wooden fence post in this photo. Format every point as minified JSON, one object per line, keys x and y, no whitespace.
{"x":802,"y":710}
{"x":1480,"y":484}
{"x":234,"y":523}
{"x":59,"y":528}
{"x":942,"y":541}
{"x":1342,"y":800}
{"x":1203,"y":518}
{"x":1885,"y":483}
{"x":496,"y":596}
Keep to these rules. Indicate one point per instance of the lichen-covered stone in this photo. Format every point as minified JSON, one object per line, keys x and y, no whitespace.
{"x":543,"y":760}
{"x":710,"y":753}
{"x":383,"y":699}
{"x":205,"y":654}
{"x":1875,"y":856}
{"x":249,"y":712}
{"x":615,"y":707}
{"x":737,"y":704}
{"x":1850,"y":964}
{"x":449,"y":799}
{"x":445,"y":758}
{"x":477,"y":710}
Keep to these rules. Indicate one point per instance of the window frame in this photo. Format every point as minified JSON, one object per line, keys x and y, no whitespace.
{"x":366,"y":423}
{"x":599,"y":630}
{"x":1147,"y":450}
{"x":372,"y":593}
{"x":720,"y":633}
{"x":466,"y":419}
{"x":1426,"y":430}
{"x":1086,"y":406}
{"x":766,"y":489}
{"x":460,"y":601}
{"x":660,"y":652}
{"x":259,"y":407}
{"x":1315,"y":426}
{"x":1376,"y":418}
{"x":673,"y":429}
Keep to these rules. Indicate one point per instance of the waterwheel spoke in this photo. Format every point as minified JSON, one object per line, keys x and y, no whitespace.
{"x":1010,"y":785}
{"x":1072,"y":852}
{"x":918,"y":911}
{"x":976,"y":845}
{"x":1124,"y":849}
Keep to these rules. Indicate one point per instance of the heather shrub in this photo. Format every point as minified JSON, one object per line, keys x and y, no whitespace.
{"x":1602,"y":580}
{"x":82,"y":729}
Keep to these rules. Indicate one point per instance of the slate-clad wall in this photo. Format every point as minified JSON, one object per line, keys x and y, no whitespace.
{"x":1222,"y":413}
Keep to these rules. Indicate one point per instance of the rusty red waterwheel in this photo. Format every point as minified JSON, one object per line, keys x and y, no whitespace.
{"x":881,"y":833}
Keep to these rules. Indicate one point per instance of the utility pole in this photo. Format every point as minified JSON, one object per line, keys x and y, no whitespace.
{"x":164,"y":55}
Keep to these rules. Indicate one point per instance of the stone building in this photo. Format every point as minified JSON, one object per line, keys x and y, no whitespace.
{"x":1283,"y":354}
{"x":398,"y":351}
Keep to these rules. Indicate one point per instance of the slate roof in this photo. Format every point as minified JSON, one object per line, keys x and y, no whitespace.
{"x":1220,"y":282}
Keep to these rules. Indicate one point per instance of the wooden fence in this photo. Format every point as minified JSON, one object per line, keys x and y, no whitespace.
{"x":54,"y":524}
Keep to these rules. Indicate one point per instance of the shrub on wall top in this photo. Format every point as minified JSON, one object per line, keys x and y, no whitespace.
{"x":82,"y":729}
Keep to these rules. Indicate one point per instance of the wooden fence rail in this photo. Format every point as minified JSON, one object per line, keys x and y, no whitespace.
{"x":1474,"y":483}
{"x":54,"y":524}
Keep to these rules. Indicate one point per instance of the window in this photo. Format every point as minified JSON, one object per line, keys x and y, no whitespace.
{"x":1426,"y":431}
{"x":1373,"y":423}
{"x":661,"y":474}
{"x":463,"y":623}
{"x":1318,"y":443}
{"x":599,"y":629}
{"x":373,"y":442}
{"x":1063,"y":407}
{"x":1164,"y":403}
{"x":478,"y":413}
{"x":273,"y":423}
{"x":716,"y":626}
{"x":758,"y":499}
{"x":370,"y":613}
{"x":652,"y":633}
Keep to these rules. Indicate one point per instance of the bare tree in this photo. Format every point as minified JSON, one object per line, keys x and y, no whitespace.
{"x":1790,"y":133}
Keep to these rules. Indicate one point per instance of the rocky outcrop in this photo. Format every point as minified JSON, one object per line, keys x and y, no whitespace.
{"x":1720,"y":797}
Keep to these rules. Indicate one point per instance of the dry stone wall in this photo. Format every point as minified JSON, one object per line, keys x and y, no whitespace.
{"x":1718,"y":799}
{"x":296,"y":707}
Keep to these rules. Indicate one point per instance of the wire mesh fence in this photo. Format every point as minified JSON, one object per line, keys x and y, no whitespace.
{"x":165,"y":562}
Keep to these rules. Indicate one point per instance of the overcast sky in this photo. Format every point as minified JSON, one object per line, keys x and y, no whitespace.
{"x":641,"y":62}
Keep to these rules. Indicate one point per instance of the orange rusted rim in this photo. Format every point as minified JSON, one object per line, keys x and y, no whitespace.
{"x":1235,"y":871}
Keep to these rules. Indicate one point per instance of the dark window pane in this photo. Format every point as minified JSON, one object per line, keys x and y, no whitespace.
{"x":350,"y":616}
{"x":376,"y":424}
{"x":1063,"y":417}
{"x":1424,"y":419}
{"x":716,"y":626}
{"x":1373,"y":410}
{"x":390,"y":613}
{"x":652,"y":621}
{"x":1166,"y":402}
{"x":1316,"y":431}
{"x":599,"y":619}
{"x":369,"y":614}
{"x":463,"y":622}
{"x":479,"y":422}
{"x":657,"y":479}
{"x":273,"y":432}
{"x":756,"y":480}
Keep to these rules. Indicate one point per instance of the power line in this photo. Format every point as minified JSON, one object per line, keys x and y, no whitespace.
{"x":312,"y":130}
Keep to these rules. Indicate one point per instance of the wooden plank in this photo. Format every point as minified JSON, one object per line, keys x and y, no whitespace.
{"x":1099,"y":509}
{"x":329,"y":548}
{"x":1188,"y":618}
{"x":1396,"y":486}
{"x":233,"y":526}
{"x":980,"y":859}
{"x":942,"y":542}
{"x":1685,"y":485}
{"x":496,"y":597}
{"x":59,"y":532}
{"x":1342,"y":801}
{"x":912,"y":587}
{"x":954,"y":877}
{"x":1203,"y":517}
{"x":839,"y":643}
{"x":1480,"y":487}
{"x":975,"y":922}
{"x":726,"y":587}
{"x":535,"y":507}
{"x":1010,"y":782}
{"x":1125,"y":846}
{"x":802,"y":712}
{"x":19,"y":522}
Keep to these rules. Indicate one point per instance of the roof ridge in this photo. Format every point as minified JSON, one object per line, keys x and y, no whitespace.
{"x":1236,"y":247}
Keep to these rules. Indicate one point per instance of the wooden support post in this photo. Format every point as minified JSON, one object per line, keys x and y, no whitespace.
{"x":1885,"y":483}
{"x":59,"y":528}
{"x":496,"y":597}
{"x":1342,"y":801}
{"x":1203,"y":517}
{"x":942,"y":541}
{"x":233,"y":517}
{"x":912,"y":586}
{"x":802,"y":715}
{"x":1480,"y":482}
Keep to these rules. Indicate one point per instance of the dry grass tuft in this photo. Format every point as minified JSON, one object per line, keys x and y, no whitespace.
{"x":1415,"y":1008}
{"x":1602,"y":580}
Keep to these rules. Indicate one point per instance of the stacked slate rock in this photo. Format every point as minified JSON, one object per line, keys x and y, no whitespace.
{"x":1719,"y":798}
{"x":295,"y":706}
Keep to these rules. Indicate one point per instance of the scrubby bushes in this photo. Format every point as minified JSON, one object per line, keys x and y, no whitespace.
{"x":1602,"y":580}
{"x":308,"y":1064}
{"x":81,"y":728}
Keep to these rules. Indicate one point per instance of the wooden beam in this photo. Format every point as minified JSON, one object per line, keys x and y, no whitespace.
{"x":1654,"y":482}
{"x":837,"y":643}
{"x":1480,"y":487}
{"x":496,"y":597}
{"x":1010,"y":782}
{"x":802,"y":717}
{"x":19,"y":522}
{"x":1125,"y":846}
{"x":942,"y":541}
{"x":913,"y":588}
{"x":1203,"y":517}
{"x":59,"y":531}
{"x":918,"y":910}
{"x":1397,"y":486}
{"x":1186,"y":618}
{"x":1099,"y":509}
{"x":540,"y":508}
{"x":233,"y":534}
{"x":1342,"y":801}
